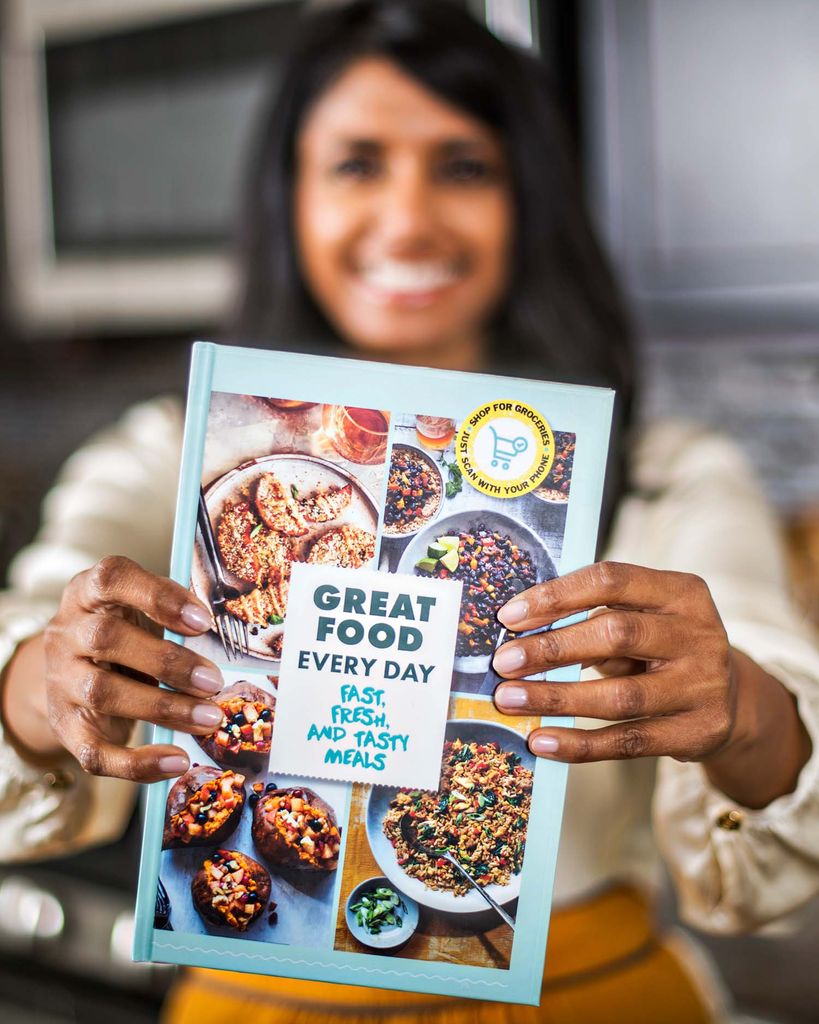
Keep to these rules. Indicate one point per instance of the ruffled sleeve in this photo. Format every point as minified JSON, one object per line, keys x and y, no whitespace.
{"x":700,"y":510}
{"x":115,"y":495}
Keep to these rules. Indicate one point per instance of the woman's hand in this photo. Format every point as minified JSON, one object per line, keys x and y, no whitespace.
{"x":674,"y":685}
{"x":93,"y":673}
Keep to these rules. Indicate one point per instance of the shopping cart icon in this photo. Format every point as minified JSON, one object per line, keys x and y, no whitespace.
{"x":506,"y":448}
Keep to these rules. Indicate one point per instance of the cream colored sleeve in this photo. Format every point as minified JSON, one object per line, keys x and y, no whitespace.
{"x":115,"y":495}
{"x":708,"y":517}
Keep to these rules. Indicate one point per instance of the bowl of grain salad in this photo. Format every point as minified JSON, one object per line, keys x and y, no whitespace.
{"x":479,"y":814}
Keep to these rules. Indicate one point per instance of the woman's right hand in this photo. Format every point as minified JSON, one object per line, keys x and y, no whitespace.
{"x":91,"y":652}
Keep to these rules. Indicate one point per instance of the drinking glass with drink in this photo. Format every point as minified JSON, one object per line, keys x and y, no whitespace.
{"x":434,"y":432}
{"x":359,"y":435}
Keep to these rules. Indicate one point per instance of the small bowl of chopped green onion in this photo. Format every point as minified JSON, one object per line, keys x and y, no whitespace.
{"x":379,"y":916}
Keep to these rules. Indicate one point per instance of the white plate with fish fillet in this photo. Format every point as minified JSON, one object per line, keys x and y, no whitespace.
{"x":301,"y":477}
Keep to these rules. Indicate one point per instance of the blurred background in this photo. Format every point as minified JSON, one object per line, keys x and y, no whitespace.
{"x":124,"y":126}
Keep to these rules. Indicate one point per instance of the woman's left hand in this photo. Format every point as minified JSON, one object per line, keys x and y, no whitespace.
{"x":660,"y":642}
{"x":673,"y":685}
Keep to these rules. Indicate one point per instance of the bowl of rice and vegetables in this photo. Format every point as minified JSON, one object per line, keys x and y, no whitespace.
{"x":479,"y":815}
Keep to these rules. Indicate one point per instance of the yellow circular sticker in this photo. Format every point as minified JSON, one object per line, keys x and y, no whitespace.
{"x":505,"y":448}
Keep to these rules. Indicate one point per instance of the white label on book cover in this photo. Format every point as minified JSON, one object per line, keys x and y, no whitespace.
{"x":365,"y":676}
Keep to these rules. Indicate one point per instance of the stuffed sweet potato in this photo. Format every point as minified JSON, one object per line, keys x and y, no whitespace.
{"x":295,"y":828}
{"x":243,"y":738}
{"x":230,"y":889}
{"x":204,"y":807}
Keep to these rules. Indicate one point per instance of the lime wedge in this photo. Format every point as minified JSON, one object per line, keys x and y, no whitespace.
{"x":450,"y":543}
{"x":427,"y":564}
{"x":450,"y":560}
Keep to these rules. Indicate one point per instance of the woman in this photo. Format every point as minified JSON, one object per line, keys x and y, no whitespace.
{"x":413,"y":202}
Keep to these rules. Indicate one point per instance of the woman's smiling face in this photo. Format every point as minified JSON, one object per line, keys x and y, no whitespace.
{"x":403,"y":217}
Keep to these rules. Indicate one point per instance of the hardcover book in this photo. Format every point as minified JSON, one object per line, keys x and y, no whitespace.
{"x":364,"y":814}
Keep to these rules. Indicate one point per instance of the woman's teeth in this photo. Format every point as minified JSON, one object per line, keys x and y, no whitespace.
{"x":393,"y":276}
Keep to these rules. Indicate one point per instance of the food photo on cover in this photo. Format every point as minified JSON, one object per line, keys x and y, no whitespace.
{"x":436,"y":525}
{"x":283,"y":481}
{"x":452,"y":857}
{"x":245,"y":854}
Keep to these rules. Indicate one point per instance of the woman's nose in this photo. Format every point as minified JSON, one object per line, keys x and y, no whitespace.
{"x":407,"y":213}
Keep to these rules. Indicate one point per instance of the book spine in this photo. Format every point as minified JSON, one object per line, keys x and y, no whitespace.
{"x":199,"y":388}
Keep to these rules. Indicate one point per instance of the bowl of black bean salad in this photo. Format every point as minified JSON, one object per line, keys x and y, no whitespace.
{"x":492,"y":555}
{"x":415,"y":491}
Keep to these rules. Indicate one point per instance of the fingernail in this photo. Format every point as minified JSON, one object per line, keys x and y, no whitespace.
{"x":195,"y":617}
{"x":207,"y":714}
{"x":509,"y":659}
{"x":511,"y":696}
{"x":208,"y":680}
{"x":173,"y":764}
{"x":543,"y":744}
{"x":515,"y":611}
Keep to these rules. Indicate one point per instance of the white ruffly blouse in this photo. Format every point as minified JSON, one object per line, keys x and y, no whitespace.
{"x":696,"y":509}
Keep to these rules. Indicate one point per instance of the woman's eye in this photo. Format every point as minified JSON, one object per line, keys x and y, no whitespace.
{"x":359,"y":168}
{"x":467,"y":169}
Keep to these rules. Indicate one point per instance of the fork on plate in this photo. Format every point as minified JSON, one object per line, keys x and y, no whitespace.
{"x":232,"y":631}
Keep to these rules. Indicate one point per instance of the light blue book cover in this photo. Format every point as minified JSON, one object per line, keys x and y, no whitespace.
{"x":364,"y":814}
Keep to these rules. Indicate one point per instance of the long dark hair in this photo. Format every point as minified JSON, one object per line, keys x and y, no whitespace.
{"x":562,"y":318}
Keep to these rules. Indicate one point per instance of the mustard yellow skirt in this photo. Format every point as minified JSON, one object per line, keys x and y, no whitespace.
{"x":606,"y":965}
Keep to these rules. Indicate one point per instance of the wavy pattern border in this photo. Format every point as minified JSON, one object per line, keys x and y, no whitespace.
{"x":343,"y":968}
